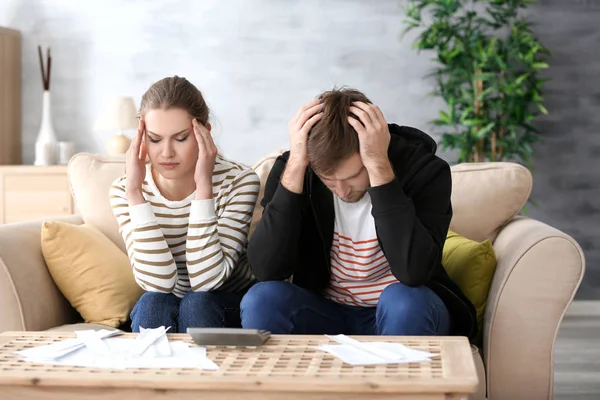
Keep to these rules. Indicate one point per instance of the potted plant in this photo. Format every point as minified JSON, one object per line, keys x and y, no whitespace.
{"x":488,"y":64}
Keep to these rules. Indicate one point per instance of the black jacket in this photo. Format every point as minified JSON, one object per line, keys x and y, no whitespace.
{"x":412,"y":215}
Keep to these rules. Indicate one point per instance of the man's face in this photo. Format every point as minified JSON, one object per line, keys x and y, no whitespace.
{"x":349,"y":181}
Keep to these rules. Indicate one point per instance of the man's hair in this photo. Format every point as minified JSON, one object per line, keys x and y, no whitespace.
{"x":332,"y":139}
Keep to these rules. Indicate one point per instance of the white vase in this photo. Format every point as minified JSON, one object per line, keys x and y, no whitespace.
{"x":46,"y":143}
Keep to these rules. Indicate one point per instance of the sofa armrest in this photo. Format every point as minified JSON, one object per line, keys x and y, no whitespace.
{"x":29,"y":299}
{"x":539,"y":270}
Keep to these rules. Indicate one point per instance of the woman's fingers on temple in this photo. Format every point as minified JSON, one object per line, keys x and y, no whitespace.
{"x":200,"y":133}
{"x":140,"y":134}
{"x":196,"y":128}
{"x":135,"y":143}
{"x":143,"y":150}
{"x":213,"y":146}
{"x":208,"y":141}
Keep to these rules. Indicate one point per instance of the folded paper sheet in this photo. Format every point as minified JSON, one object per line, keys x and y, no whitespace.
{"x":353,"y":352}
{"x":101,"y":349}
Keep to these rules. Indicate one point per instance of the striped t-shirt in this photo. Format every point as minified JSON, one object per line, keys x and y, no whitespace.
{"x":198,"y":245}
{"x":359,"y":269}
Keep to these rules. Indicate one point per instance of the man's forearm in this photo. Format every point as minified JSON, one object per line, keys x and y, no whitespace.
{"x":293,"y":176}
{"x":381,"y":173}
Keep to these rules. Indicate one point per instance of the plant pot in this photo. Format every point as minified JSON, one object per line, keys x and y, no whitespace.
{"x":46,"y":143}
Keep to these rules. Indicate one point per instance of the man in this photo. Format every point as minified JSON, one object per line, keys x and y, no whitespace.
{"x":356,"y":214}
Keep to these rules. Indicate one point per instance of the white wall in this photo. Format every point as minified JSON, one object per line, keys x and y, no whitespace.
{"x":256,"y":61}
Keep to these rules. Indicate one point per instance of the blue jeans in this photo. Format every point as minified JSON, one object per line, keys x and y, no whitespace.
{"x":284,"y":308}
{"x":194,"y":310}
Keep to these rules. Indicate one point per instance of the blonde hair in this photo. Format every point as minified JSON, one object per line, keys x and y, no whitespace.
{"x":175,"y":92}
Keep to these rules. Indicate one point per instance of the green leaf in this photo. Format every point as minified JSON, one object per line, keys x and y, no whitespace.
{"x":540,"y":65}
{"x":445,"y":117}
{"x":485,"y":130}
{"x":440,"y":122}
{"x":484,"y":76}
{"x":473,"y":122}
{"x":448,"y":141}
{"x":465,"y":113}
{"x":413,"y":12}
{"x":485,"y":93}
{"x":521,"y":78}
{"x":542,"y":109}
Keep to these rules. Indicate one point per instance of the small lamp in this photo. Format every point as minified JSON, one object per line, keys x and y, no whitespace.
{"x":120,"y":114}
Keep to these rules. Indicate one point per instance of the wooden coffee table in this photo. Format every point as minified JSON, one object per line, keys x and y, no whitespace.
{"x":287,"y":367}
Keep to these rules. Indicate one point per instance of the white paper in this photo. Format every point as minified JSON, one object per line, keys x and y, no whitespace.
{"x":98,"y":349}
{"x":148,"y":337}
{"x":371,"y":353}
{"x":92,"y":341}
{"x":162,"y":347}
{"x":64,"y":347}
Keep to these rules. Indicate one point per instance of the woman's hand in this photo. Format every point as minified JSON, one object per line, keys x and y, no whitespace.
{"x":207,"y":154}
{"x":135,"y":166}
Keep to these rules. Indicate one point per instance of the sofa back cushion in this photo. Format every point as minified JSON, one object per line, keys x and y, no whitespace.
{"x":90,"y":177}
{"x":485,"y":196}
{"x":262,"y":169}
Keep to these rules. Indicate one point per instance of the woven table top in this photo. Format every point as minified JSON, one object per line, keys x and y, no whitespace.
{"x":285,"y":361}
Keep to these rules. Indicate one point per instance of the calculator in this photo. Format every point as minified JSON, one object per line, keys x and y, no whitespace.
{"x":228,"y":336}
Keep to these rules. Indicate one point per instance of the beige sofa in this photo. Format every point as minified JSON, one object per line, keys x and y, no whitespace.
{"x":539,"y":269}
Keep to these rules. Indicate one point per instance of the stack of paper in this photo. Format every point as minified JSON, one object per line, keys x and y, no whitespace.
{"x":353,"y":352}
{"x":101,"y":349}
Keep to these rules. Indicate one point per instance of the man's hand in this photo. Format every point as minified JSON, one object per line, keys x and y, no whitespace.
{"x":374,"y":139}
{"x":299,"y":126}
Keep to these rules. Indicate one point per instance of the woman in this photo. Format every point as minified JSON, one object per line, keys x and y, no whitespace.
{"x":185,"y":215}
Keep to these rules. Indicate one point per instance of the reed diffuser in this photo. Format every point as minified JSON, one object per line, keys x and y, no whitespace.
{"x":46,"y":143}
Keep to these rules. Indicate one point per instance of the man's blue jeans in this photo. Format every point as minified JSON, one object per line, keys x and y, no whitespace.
{"x":284,"y":308}
{"x":194,"y":310}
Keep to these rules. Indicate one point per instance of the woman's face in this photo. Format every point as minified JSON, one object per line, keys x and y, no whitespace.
{"x":171,"y":143}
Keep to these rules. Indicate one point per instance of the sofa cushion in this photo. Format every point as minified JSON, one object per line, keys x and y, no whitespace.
{"x":90,"y":177}
{"x":485,"y":196}
{"x":92,"y":273}
{"x":471,"y":265}
{"x":262,"y":169}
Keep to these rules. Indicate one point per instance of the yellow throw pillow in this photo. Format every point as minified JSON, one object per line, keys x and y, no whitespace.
{"x":92,"y":273}
{"x":471,"y":265}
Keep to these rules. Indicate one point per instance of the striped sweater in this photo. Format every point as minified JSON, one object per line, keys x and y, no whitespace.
{"x":359,"y":269}
{"x":198,"y":245}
